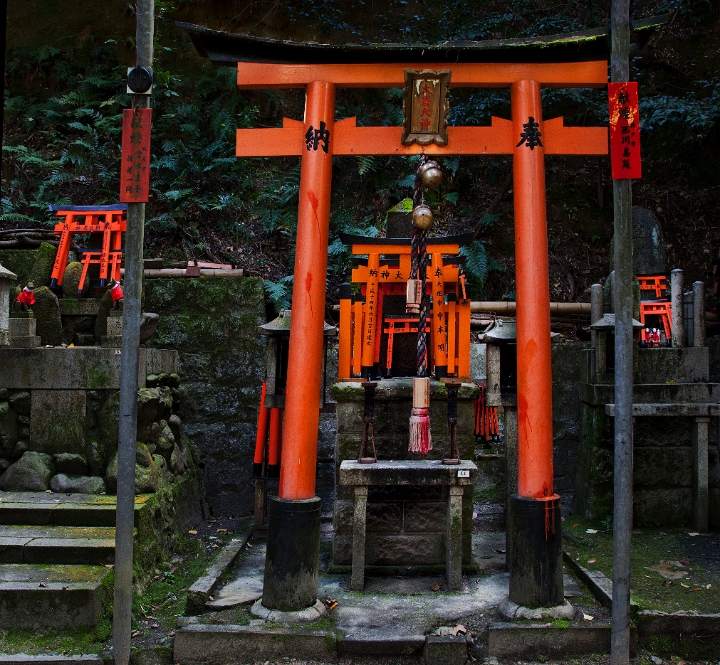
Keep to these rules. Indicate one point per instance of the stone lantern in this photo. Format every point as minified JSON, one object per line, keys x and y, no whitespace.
{"x":277,"y":332}
{"x":6,"y":280}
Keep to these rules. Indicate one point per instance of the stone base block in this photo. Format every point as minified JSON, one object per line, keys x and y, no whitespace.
{"x":4,"y":338}
{"x":22,"y":327}
{"x":84,"y":339}
{"x":111,"y":341}
{"x":114,"y":326}
{"x":25,"y":341}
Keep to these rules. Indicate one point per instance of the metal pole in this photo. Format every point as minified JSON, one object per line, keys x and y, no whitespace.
{"x":623,"y":477}
{"x":122,"y":607}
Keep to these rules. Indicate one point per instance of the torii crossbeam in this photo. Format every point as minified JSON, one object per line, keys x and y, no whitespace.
{"x":535,"y":566}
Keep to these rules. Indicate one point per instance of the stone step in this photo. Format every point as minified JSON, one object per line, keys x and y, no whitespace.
{"x":44,"y":544}
{"x":35,"y":508}
{"x":56,"y":596}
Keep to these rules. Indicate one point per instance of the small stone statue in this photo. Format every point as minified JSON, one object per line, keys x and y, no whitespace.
{"x":116,"y":293}
{"x":26,"y":297}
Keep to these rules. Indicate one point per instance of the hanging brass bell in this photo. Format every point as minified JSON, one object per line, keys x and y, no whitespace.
{"x":430,"y":174}
{"x":422,"y":217}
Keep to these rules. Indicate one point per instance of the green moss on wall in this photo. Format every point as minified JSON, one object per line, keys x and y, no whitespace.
{"x":19,"y":261}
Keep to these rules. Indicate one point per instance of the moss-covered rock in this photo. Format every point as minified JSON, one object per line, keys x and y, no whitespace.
{"x":142,"y":455}
{"x":71,"y":280}
{"x":148,"y":403}
{"x":47,"y":316}
{"x":8,"y":429}
{"x":71,"y":464}
{"x":65,"y":483}
{"x":147,"y":478}
{"x":31,"y":473}
{"x":43,"y":264}
{"x":97,"y":457}
{"x":166,"y":440}
{"x":101,"y":321}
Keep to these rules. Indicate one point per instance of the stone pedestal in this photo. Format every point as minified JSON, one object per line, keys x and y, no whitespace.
{"x":22,"y":330}
{"x":453,"y":478}
{"x":406,"y":523}
{"x":113,"y":339}
{"x":6,"y":280}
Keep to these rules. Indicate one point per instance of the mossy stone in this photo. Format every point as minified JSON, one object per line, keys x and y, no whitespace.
{"x":147,"y":479}
{"x":66,"y":483}
{"x":20,"y":402}
{"x":103,"y":311}
{"x":31,"y":473}
{"x":43,"y":265}
{"x":71,"y":280}
{"x":142,"y":454}
{"x":47,"y":316}
{"x":71,"y":464}
{"x":8,"y":429}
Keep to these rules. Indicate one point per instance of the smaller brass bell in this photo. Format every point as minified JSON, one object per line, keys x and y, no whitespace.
{"x":430,"y":174}
{"x":422,"y":217}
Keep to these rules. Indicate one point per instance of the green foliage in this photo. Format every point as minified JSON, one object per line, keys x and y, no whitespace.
{"x":279,"y":293}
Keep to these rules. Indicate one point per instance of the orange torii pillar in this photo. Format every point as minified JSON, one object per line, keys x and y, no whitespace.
{"x":293,"y":536}
{"x":535,"y":546}
{"x":291,"y":569}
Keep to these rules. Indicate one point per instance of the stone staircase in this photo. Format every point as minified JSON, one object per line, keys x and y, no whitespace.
{"x":56,"y":556}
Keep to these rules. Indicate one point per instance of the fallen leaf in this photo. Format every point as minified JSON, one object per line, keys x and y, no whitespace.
{"x":43,"y":585}
{"x":590,"y":530}
{"x":588,"y":617}
{"x":135,"y":633}
{"x":222,"y":530}
{"x":574,"y":525}
{"x":662,"y":533}
{"x":697,"y":588}
{"x":693,"y":534}
{"x":193,"y":532}
{"x":171,"y":633}
{"x":708,"y":586}
{"x":685,"y":561}
{"x":591,"y":560}
{"x":687,"y":586}
{"x":459,"y":628}
{"x":435,"y":587}
{"x":500,"y":551}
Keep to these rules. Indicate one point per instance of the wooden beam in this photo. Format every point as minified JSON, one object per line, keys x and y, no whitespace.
{"x":260,"y":75}
{"x":349,"y":139}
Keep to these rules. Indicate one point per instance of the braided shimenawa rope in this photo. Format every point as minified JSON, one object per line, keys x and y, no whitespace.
{"x":418,"y":253}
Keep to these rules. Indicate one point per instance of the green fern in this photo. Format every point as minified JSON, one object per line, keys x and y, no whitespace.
{"x":279,"y":293}
{"x":365,"y":164}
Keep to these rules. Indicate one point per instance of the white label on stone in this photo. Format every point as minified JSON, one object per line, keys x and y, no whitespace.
{"x":463,"y":473}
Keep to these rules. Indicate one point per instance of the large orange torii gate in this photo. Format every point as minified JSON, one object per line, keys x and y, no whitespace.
{"x":316,"y":140}
{"x":518,"y":65}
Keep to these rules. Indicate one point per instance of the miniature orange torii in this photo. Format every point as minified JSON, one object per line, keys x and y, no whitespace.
{"x":108,"y":220}
{"x":319,"y":137}
{"x":361,"y":323}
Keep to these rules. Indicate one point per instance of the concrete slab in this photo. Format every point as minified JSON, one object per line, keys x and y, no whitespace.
{"x":507,"y":640}
{"x":70,"y":550}
{"x":224,"y":644}
{"x":246,"y":587}
{"x":51,"y":596}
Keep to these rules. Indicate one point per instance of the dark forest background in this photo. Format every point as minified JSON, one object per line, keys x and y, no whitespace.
{"x":65,"y":90}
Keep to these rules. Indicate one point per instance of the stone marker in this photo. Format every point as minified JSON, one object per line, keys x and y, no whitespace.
{"x":6,"y":280}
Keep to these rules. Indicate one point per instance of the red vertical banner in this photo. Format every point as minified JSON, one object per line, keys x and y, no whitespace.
{"x":624,"y":130}
{"x":135,"y":164}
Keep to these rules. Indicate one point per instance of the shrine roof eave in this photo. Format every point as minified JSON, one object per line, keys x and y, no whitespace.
{"x":225,"y":48}
{"x":460,"y":239}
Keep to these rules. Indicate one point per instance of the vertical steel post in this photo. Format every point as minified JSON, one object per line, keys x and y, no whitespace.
{"x":623,"y":475}
{"x":134,"y":236}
